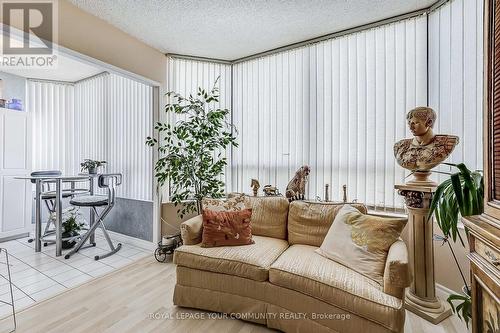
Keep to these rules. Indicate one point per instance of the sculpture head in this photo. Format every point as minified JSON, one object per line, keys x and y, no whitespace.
{"x":304,"y":171}
{"x":420,"y":120}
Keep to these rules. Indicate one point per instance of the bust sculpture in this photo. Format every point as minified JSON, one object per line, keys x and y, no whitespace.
{"x":425,"y":150}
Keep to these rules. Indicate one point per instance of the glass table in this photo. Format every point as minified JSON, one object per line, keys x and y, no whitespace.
{"x":58,"y":181}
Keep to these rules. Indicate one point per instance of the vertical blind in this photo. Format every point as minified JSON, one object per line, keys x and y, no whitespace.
{"x":106,"y":117}
{"x":91,"y":113}
{"x":129,"y":122}
{"x":53,"y":118}
{"x":186,"y":76}
{"x":456,"y":76}
{"x":337,"y":106}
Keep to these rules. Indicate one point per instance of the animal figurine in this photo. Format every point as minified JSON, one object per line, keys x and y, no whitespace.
{"x":271,"y":190}
{"x":255,"y":186}
{"x":296,"y":189}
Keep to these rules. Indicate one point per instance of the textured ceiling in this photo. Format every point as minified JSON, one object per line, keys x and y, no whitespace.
{"x":231,"y":29}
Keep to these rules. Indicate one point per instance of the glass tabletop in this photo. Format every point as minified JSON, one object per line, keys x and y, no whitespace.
{"x":54,"y":178}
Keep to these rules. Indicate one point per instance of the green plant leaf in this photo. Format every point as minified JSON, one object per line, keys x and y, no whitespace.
{"x":192,"y":158}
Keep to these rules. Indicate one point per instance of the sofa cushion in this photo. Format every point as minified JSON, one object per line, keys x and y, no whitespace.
{"x":248,"y":261}
{"x":301,"y":269}
{"x":269,"y":215}
{"x":309,"y":222}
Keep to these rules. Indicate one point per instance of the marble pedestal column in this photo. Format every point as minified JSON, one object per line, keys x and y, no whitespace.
{"x":421,"y":297}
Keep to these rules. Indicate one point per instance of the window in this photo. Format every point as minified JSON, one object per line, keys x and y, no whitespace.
{"x":106,"y":117}
{"x":340,"y":105}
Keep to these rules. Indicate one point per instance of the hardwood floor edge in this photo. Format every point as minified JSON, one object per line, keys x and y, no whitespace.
{"x":96,"y":279}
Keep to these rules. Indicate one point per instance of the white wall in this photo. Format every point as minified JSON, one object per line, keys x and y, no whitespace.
{"x":15,"y":160}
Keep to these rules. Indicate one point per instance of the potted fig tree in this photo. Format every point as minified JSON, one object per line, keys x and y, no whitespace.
{"x":191,"y":150}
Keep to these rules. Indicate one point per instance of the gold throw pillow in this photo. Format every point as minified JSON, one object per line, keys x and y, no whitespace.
{"x":361,"y":242}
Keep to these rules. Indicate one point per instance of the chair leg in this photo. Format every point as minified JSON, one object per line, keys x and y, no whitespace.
{"x":110,"y":243}
{"x":89,"y":232}
{"x":81,"y":242}
{"x":51,"y":209}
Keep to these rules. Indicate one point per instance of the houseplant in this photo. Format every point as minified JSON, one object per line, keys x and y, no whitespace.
{"x":460,"y":195}
{"x":91,"y":165}
{"x":71,"y":227}
{"x":191,"y":150}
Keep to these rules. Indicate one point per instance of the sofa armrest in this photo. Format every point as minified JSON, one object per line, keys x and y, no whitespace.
{"x":191,"y":230}
{"x":397,"y":275}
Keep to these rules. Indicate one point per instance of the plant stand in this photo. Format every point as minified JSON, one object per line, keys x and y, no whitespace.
{"x":164,"y":250}
{"x":421,"y":297}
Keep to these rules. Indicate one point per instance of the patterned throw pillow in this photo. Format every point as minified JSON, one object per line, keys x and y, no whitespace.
{"x":361,"y":242}
{"x":226,"y":228}
{"x":232,"y":204}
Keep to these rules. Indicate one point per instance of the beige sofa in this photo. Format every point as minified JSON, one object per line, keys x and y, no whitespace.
{"x":280,"y":281}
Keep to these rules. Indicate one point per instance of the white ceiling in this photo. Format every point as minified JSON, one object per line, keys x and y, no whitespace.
{"x":231,"y":29}
{"x":67,"y":69}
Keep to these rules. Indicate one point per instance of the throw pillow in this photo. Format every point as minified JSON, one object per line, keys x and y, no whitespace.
{"x":233,"y":203}
{"x":361,"y":242}
{"x":223,"y":228}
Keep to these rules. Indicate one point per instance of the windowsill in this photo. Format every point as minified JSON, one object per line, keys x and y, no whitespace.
{"x":386,"y":214}
{"x":460,"y":225}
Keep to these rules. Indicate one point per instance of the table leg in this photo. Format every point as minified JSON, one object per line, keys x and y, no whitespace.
{"x":58,"y":217}
{"x":38,"y":215}
{"x":92,"y":214}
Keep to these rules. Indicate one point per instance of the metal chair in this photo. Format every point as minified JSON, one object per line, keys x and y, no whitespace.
{"x":48,"y":196}
{"x":107,"y":181}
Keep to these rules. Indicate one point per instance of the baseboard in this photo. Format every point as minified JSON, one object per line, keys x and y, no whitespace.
{"x":16,"y":236}
{"x":445,"y":290}
{"x":143,"y":244}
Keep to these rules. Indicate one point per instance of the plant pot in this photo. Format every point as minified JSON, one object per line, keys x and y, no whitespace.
{"x":92,"y":171}
{"x":68,"y":244}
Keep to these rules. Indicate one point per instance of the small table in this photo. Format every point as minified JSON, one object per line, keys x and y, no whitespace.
{"x":58,"y":180}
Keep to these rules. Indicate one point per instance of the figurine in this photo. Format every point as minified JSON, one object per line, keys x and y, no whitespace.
{"x":344,"y":191}
{"x":296,"y":189}
{"x":255,"y":186}
{"x":271,"y":190}
{"x":327,"y":194}
{"x":425,"y":150}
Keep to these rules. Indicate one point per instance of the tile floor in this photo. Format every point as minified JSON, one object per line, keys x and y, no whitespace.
{"x":37,"y":276}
